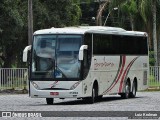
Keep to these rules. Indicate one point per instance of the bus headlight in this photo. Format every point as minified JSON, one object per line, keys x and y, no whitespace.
{"x":75,"y":85}
{"x":35,"y":85}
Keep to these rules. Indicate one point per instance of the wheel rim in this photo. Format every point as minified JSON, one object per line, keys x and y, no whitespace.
{"x":93,"y":95}
{"x":134,"y":89}
{"x":127,"y":90}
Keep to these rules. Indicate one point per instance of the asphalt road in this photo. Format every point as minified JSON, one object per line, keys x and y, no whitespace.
{"x":144,"y":101}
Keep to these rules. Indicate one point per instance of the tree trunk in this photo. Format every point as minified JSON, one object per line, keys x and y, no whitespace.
{"x":30,"y":22}
{"x":158,"y":55}
{"x":99,"y":13}
{"x":154,"y":31}
{"x":132,"y":22}
{"x":99,"y":16}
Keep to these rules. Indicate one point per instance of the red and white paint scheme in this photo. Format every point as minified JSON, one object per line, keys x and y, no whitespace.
{"x":87,"y":62}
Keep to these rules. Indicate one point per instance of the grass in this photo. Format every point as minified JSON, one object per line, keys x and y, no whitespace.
{"x":153,"y":82}
{"x":13,"y":84}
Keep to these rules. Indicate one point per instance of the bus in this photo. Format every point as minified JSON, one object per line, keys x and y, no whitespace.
{"x":87,"y":62}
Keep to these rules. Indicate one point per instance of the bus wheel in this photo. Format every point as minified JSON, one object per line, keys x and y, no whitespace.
{"x":91,"y":100}
{"x":49,"y":101}
{"x":99,"y":98}
{"x":125,"y":95}
{"x":134,"y":90}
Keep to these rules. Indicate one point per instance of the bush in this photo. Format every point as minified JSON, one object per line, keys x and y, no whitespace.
{"x":151,"y":58}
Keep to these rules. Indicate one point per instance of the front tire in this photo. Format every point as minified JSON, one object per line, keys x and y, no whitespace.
{"x":94,"y":95}
{"x":49,"y":101}
{"x":92,"y":98}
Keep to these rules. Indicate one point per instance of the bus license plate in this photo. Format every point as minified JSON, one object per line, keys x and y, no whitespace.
{"x":54,"y":93}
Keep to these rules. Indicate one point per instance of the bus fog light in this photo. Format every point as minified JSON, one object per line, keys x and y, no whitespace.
{"x":75,"y":85}
{"x":35,"y":85}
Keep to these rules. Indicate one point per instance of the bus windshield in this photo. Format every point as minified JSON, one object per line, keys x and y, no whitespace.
{"x":55,"y":56}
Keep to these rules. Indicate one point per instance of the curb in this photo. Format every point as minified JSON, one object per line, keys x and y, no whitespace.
{"x":12,"y":91}
{"x":157,"y":88}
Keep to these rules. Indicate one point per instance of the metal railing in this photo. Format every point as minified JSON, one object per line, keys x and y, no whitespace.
{"x":17,"y":78}
{"x":13,"y":78}
{"x":154,"y":78}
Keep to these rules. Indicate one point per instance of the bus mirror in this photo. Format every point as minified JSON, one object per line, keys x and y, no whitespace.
{"x":81,"y":51}
{"x":25,"y":53}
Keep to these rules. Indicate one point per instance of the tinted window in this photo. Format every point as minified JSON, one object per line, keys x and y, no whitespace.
{"x":116,"y":44}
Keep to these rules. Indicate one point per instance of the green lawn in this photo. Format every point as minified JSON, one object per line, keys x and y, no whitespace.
{"x":153,"y":82}
{"x":15,"y":83}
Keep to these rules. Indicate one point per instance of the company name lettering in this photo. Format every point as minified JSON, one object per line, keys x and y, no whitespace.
{"x":104,"y":63}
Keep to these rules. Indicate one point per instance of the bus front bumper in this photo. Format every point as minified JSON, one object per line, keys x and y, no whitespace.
{"x":75,"y":93}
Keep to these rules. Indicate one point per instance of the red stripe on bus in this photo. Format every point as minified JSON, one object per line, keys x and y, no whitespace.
{"x":120,"y":73}
{"x":54,"y":84}
{"x":124,"y":74}
{"x":119,"y":68}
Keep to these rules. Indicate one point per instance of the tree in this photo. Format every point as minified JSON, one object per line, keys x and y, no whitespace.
{"x":30,"y":21}
{"x":102,"y":6}
{"x":11,"y":23}
{"x":141,"y":11}
{"x":158,"y":30}
{"x":55,"y":13}
{"x":14,"y":27}
{"x":154,"y":31}
{"x":147,"y":11}
{"x":130,"y":7}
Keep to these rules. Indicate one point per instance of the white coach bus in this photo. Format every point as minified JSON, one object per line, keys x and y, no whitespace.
{"x":87,"y":62}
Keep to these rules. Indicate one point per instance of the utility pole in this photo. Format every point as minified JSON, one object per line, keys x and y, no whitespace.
{"x":116,"y":8}
{"x":30,"y":22}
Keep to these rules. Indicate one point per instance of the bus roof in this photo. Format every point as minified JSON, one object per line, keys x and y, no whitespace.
{"x":90,"y":29}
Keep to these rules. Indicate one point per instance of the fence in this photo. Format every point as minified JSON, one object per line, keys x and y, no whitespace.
{"x":17,"y":78}
{"x":154,"y":78}
{"x":13,"y":78}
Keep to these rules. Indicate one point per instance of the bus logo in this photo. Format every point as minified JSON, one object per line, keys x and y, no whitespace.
{"x":6,"y":114}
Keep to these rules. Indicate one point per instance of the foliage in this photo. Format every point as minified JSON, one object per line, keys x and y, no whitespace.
{"x":151,"y":58}
{"x":135,"y":14}
{"x":153,"y":81}
{"x":130,"y":7}
{"x":11,"y":24}
{"x":55,"y":13}
{"x":14,"y":24}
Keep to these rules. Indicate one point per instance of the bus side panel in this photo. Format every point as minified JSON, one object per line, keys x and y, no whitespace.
{"x":104,"y":70}
{"x":111,"y":72}
{"x":135,"y":67}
